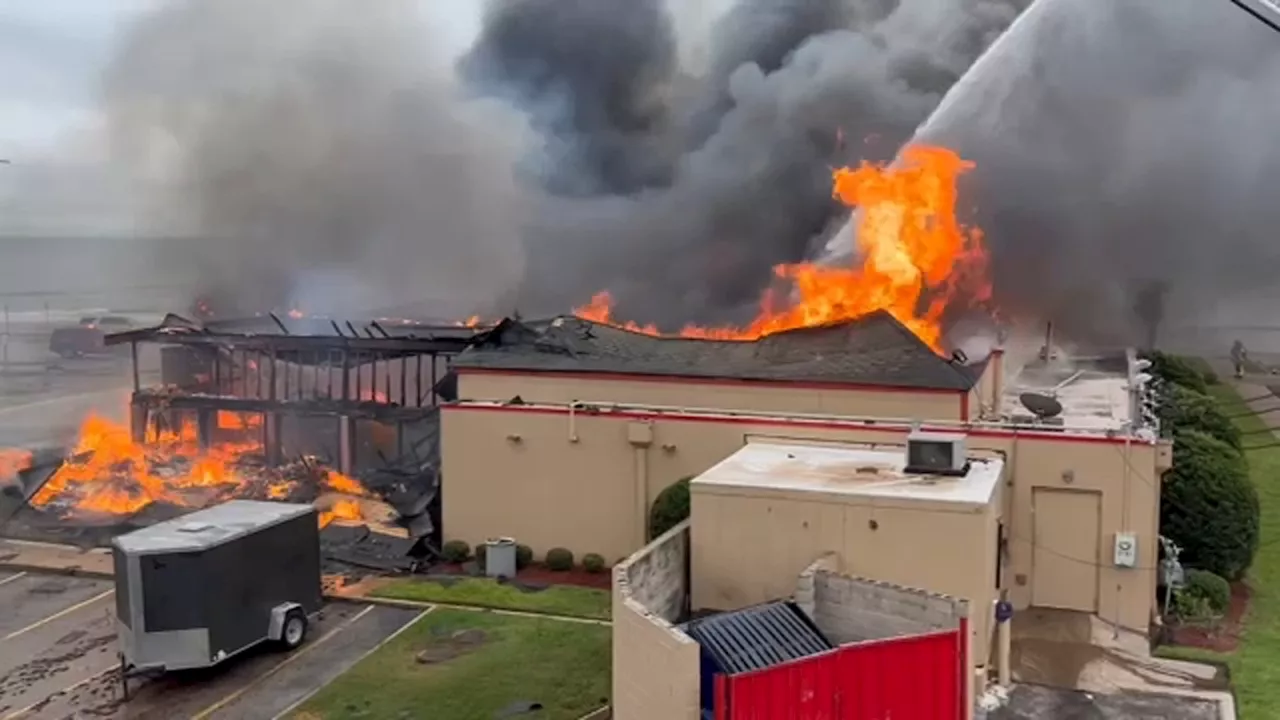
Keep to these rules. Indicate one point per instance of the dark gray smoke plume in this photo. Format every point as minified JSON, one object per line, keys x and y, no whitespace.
{"x":678,"y":191}
{"x":326,"y":152}
{"x":1126,"y":163}
{"x":321,"y":149}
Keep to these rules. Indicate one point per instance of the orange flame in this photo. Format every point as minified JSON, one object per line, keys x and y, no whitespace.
{"x":916,"y":257}
{"x":296,"y":314}
{"x":338,"y":482}
{"x":342,"y":509}
{"x":231,"y":420}
{"x":109,"y":473}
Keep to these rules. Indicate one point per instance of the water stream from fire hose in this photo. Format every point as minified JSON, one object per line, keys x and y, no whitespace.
{"x":988,"y":82}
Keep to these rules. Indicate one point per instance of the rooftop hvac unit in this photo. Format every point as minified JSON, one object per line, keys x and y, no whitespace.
{"x":936,"y":454}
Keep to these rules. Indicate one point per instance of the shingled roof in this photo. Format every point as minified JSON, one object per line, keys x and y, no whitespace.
{"x":872,"y":350}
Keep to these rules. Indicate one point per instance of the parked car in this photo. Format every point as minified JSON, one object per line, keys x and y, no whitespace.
{"x":86,"y":337}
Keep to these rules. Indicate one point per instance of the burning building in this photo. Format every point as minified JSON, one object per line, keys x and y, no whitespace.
{"x":341,"y":414}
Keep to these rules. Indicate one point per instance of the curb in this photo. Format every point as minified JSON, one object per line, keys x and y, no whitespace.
{"x":394,"y":602}
{"x":77,"y":571}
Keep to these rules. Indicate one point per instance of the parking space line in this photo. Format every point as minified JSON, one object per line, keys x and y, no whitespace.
{"x":11,"y":578}
{"x":360,"y":659}
{"x":55,"y":616}
{"x":68,"y":689}
{"x":294,"y":656}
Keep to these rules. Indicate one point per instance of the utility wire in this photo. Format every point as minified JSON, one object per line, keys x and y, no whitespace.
{"x":1265,"y":10}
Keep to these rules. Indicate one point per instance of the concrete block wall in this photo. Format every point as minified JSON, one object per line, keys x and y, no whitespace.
{"x":657,"y":577}
{"x":656,"y":667}
{"x":851,"y":609}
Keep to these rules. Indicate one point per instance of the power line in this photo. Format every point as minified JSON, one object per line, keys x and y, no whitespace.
{"x":1264,"y":10}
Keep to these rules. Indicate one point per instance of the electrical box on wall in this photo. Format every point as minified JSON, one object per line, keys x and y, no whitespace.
{"x":1126,"y":550}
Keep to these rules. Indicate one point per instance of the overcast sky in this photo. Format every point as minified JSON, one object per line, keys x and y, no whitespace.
{"x":52,"y":53}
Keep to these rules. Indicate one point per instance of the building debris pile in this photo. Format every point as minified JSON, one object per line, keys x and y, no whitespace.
{"x":107,"y":484}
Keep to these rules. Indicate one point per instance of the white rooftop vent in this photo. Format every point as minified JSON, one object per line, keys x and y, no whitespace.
{"x":936,"y":453}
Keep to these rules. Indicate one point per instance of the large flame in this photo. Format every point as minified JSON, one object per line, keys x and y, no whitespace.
{"x":108,"y":473}
{"x":915,"y":257}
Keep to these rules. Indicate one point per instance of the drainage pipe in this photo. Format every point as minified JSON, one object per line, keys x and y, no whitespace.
{"x":1004,"y":642}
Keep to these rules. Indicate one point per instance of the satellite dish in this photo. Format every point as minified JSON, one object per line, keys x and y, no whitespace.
{"x":1042,"y":406}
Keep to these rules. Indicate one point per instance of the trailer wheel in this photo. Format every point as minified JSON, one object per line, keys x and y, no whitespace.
{"x":294,"y":630}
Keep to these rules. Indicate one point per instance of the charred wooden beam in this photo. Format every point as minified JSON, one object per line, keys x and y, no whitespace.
{"x":310,"y":406}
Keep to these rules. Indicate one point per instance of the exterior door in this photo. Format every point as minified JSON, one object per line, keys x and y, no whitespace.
{"x":1064,"y":571}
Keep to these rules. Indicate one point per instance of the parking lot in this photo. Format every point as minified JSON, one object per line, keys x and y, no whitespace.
{"x":58,"y":658}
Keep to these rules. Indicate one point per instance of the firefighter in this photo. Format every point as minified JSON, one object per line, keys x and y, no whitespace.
{"x":1238,"y":357}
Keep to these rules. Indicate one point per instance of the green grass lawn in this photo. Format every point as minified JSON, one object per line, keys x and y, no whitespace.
{"x":481,"y":592}
{"x":1255,"y":665}
{"x":466,"y":665}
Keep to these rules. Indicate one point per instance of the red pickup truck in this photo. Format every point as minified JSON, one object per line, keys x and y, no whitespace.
{"x":86,"y":337}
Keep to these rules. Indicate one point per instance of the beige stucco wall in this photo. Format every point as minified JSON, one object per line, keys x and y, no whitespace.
{"x":656,"y":671}
{"x":533,"y":474}
{"x":723,"y":395}
{"x":748,"y":545}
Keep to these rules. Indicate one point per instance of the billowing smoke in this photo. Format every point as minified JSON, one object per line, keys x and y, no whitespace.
{"x":1126,"y":164}
{"x":323,"y":151}
{"x":678,"y":187}
{"x":671,"y":154}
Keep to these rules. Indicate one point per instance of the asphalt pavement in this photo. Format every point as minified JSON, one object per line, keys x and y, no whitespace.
{"x":43,"y":399}
{"x":58,"y":659}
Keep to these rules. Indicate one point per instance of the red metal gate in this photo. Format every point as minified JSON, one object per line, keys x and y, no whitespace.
{"x":917,"y":677}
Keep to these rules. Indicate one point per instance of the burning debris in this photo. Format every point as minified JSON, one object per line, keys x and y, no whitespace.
{"x":108,"y":474}
{"x":917,"y":259}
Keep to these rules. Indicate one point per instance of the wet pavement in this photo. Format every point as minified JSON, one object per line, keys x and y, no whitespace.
{"x":58,"y":659}
{"x":1037,"y":702}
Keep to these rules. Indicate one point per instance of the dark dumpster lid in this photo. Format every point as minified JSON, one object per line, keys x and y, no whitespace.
{"x":758,"y":637}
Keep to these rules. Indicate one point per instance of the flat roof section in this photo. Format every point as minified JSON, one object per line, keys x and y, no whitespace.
{"x":851,"y":472}
{"x":210,"y":526}
{"x":1094,"y":394}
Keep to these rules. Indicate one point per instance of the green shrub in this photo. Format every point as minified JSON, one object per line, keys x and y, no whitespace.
{"x":1176,"y":370}
{"x":1189,"y":607}
{"x":1182,"y":408}
{"x":455,"y":551}
{"x":1208,"y":506}
{"x":1215,"y":590}
{"x":481,"y":556}
{"x":524,"y":556}
{"x":593,"y":563}
{"x":670,"y":508}
{"x":1210,"y":377}
{"x":559,"y":559}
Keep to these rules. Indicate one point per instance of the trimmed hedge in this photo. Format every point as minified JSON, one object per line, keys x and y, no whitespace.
{"x":1209,"y":507}
{"x":593,"y":563}
{"x":524,"y":556}
{"x":1176,"y":371}
{"x":455,"y":551}
{"x":670,"y":508}
{"x":1213,"y":589}
{"x":1182,"y":408}
{"x":560,"y":559}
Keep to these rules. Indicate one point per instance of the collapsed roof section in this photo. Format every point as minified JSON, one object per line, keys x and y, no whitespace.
{"x":310,"y":340}
{"x":872,"y":350}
